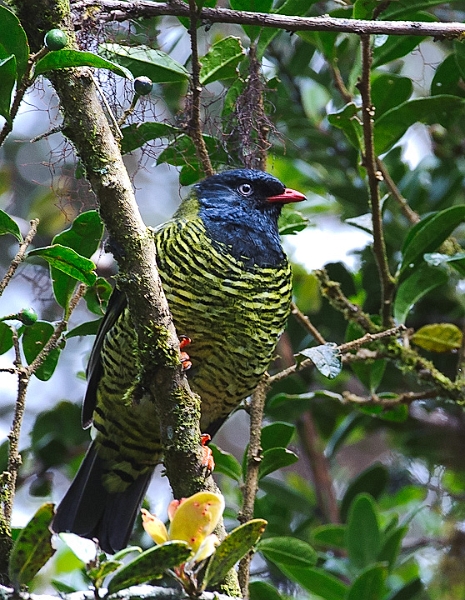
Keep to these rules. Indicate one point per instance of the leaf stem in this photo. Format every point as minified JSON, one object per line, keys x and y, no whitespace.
{"x":18,"y":259}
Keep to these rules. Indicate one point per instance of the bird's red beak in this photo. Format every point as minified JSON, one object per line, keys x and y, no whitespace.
{"x":287,"y":196}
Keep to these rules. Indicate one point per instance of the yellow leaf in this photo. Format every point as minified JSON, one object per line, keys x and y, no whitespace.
{"x":196,"y":517}
{"x":438,"y":337}
{"x":154,"y":527}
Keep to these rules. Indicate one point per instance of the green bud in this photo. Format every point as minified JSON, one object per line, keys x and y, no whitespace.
{"x":28,"y":316}
{"x":55,"y":39}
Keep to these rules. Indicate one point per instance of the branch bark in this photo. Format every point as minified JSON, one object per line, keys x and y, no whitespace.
{"x":117,"y":10}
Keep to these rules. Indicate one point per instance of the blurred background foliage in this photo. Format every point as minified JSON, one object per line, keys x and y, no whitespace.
{"x":379,"y":492}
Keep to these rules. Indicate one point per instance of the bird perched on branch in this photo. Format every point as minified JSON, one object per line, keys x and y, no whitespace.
{"x":228,"y":285}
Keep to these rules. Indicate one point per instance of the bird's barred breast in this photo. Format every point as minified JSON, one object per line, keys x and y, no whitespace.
{"x":233,"y":314}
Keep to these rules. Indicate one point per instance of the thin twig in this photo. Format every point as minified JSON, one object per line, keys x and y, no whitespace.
{"x":19,"y":256}
{"x":379,"y":246}
{"x":410,"y":214}
{"x":9,"y":478}
{"x":307,"y":324}
{"x":194,"y":127}
{"x":251,"y":479}
{"x":319,"y":465}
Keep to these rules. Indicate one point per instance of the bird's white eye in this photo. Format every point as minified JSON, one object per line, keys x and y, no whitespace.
{"x":245,"y":189}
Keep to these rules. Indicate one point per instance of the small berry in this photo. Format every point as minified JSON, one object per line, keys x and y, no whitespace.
{"x":28,"y":316}
{"x":143,"y":85}
{"x":55,"y":39}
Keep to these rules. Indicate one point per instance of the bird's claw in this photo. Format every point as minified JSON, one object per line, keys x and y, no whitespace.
{"x":183,"y":356}
{"x":207,"y":456}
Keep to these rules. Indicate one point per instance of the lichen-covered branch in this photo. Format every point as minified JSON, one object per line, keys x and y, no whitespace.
{"x":118,"y":10}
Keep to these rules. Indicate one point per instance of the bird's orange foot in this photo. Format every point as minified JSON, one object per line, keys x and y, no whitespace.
{"x":184,"y":357}
{"x":207,"y":456}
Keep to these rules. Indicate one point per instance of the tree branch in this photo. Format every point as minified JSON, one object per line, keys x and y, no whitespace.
{"x":117,"y":10}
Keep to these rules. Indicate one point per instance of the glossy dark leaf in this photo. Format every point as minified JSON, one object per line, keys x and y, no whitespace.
{"x":261,"y":590}
{"x":372,"y":480}
{"x":13,"y":41}
{"x":68,"y":261}
{"x":326,"y":358}
{"x":288,"y":551}
{"x":98,"y":295}
{"x":7,"y":225}
{"x":422,"y":281}
{"x":363,"y":535}
{"x":274,"y":459}
{"x":369,"y":584}
{"x":331,"y":536}
{"x":83,"y":237}
{"x":317,"y":581}
{"x":427,"y":235}
{"x":446,"y":78}
{"x":234,"y":546}
{"x":8,"y":78}
{"x":392,"y":546}
{"x":137,"y":134}
{"x":6,"y":338}
{"x":226,"y":463}
{"x":388,"y":91}
{"x":34,"y":339}
{"x":409,"y":591}
{"x":348,"y":120}
{"x":65,"y":59}
{"x":221,"y":60}
{"x":145,"y":61}
{"x":33,"y":547}
{"x":277,"y":434}
{"x":151,"y":564}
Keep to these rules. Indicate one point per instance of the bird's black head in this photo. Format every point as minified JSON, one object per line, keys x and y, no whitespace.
{"x":240,"y":208}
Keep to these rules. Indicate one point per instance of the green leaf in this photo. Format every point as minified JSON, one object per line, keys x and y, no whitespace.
{"x":409,"y":591}
{"x":274,"y":459}
{"x":291,"y":222}
{"x":438,"y":337}
{"x":402,"y":9}
{"x":395,"y":414}
{"x":151,"y":564}
{"x":221,"y":60}
{"x":422,"y":281}
{"x":427,"y":235}
{"x":446,"y":77}
{"x":33,"y":547}
{"x":68,"y":261}
{"x":288,"y":551}
{"x":276,"y":435}
{"x":8,"y":78}
{"x":392,"y":546}
{"x":89,"y":328}
{"x":65,"y":59}
{"x":13,"y":41}
{"x":263,"y":6}
{"x":261,"y":590}
{"x":388,"y":91}
{"x":392,"y":125}
{"x":98,"y":295}
{"x":83,"y":237}
{"x":363,"y":9}
{"x":234,"y":546}
{"x":369,"y":584}
{"x":372,"y":480}
{"x":326,"y":358}
{"x":332,"y":536}
{"x":226,"y":463}
{"x":34,"y":339}
{"x":145,"y":61}
{"x":347,"y":119}
{"x":363,"y":536}
{"x":6,"y":338}
{"x":137,"y":134}
{"x":7,"y":225}
{"x":318,"y":582}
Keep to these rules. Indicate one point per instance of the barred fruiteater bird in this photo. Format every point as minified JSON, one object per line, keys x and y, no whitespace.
{"x":228,"y":284}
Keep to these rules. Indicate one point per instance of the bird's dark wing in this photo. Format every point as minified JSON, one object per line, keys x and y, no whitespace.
{"x":116,"y":305}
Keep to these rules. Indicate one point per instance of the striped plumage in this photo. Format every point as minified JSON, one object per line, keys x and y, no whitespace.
{"x":228,"y":284}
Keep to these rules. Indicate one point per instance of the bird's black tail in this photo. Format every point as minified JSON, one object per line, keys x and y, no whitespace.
{"x":91,"y":511}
